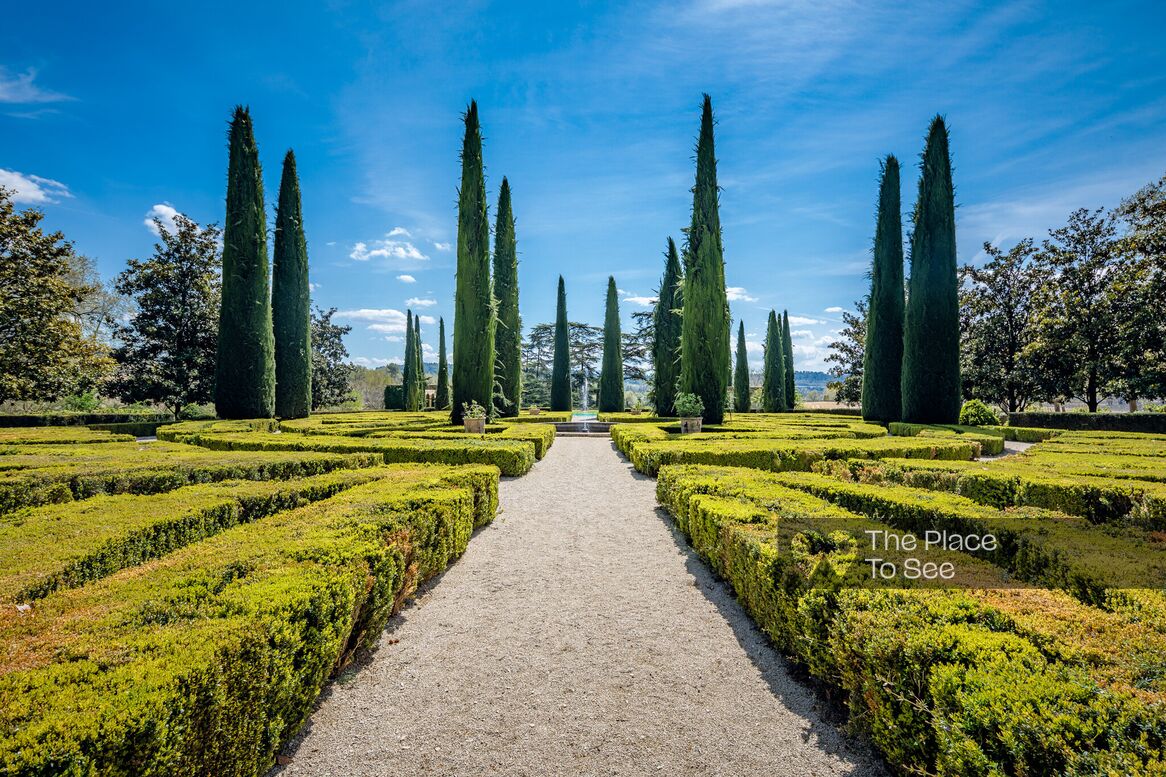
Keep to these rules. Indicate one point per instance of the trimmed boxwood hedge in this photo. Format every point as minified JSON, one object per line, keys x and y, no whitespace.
{"x":133,"y":428}
{"x":82,"y":419}
{"x":214,"y":659}
{"x":59,"y":435}
{"x":1114,"y":422}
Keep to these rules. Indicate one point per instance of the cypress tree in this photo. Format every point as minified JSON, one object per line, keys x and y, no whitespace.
{"x":508,"y":372}
{"x":704,"y":340}
{"x":787,"y":350}
{"x":442,"y":400}
{"x":773,"y":371}
{"x":611,"y":373}
{"x":931,"y":331}
{"x":666,"y":330}
{"x":245,"y":359}
{"x":473,"y":322}
{"x":882,"y":359}
{"x":418,"y":364}
{"x":290,"y":301}
{"x":741,"y":377}
{"x":561,"y":366}
{"x":408,"y":364}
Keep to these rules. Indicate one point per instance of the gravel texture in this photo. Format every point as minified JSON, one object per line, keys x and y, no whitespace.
{"x":577,"y":636}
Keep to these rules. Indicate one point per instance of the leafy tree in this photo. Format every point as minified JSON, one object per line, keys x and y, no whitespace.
{"x":847,"y":354}
{"x":331,"y":373}
{"x":1079,"y":318}
{"x":167,"y":347}
{"x":245,"y":361}
{"x":561,"y":366}
{"x":586,"y":343}
{"x":99,"y":307}
{"x":442,"y":399}
{"x":508,"y":371}
{"x":787,"y":348}
{"x":611,"y":398}
{"x":997,"y":323}
{"x":741,"y":376}
{"x":291,"y":314}
{"x":882,"y":366}
{"x":666,"y":330}
{"x":637,"y":347}
{"x":474,"y":322}
{"x":931,"y":330}
{"x":704,"y":340}
{"x":773,"y":399}
{"x":1142,"y":289}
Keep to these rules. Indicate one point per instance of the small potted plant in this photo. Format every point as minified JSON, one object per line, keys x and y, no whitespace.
{"x":474,"y":417}
{"x":535,"y":410}
{"x":690,"y":408}
{"x":637,"y":408}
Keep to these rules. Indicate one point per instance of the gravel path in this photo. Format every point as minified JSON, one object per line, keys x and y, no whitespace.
{"x":577,"y":636}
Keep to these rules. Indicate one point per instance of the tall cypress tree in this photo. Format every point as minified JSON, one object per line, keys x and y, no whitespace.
{"x":704,"y":340}
{"x":508,"y":371}
{"x":931,"y":331}
{"x":441,"y":401}
{"x":473,"y":322}
{"x":245,"y":359}
{"x":882,"y":360}
{"x":666,"y":333}
{"x":787,"y":350}
{"x":611,"y":373}
{"x":741,"y":376}
{"x":561,"y":366}
{"x":291,"y":300}
{"x":773,"y":371}
{"x":408,"y":365}
{"x":418,"y":364}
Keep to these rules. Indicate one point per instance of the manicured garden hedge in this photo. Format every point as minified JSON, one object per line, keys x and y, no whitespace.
{"x":59,"y":435}
{"x":133,"y":428}
{"x":210,"y":662}
{"x":82,"y":419}
{"x":1010,"y":433}
{"x":1115,"y":422}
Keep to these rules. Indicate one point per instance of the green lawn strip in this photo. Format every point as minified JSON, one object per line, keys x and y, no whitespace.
{"x":937,"y":679}
{"x":205,"y":661}
{"x":59,"y":435}
{"x":512,"y":457}
{"x":64,"y":546}
{"x":1036,"y":545}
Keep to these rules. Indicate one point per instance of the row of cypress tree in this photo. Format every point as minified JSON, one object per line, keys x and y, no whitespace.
{"x":777,"y":375}
{"x":264,"y":356}
{"x":911,"y":368}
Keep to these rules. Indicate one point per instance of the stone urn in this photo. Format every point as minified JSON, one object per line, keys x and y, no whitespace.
{"x":690,"y":425}
{"x":535,"y":411}
{"x":478,"y":425}
{"x":634,"y":411}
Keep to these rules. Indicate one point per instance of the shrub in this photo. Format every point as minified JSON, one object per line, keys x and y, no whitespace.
{"x":83,"y":419}
{"x":976,"y":413}
{"x":1114,"y":422}
{"x":689,"y":405}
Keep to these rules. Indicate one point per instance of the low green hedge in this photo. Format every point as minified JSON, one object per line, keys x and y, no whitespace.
{"x":633,"y":418}
{"x":180,"y":431}
{"x":545,"y":417}
{"x":82,"y":419}
{"x":133,"y":428}
{"x":59,"y":435}
{"x":1114,"y":422}
{"x":64,"y":546}
{"x":213,"y":660}
{"x":1010,"y":433}
{"x":990,"y":444}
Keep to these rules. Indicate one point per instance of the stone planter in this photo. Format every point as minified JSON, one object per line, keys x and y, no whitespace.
{"x":634,"y":411}
{"x":535,"y":411}
{"x":690,"y":425}
{"x":475,"y":425}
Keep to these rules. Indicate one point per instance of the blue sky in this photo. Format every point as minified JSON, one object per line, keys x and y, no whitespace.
{"x":109,"y":113}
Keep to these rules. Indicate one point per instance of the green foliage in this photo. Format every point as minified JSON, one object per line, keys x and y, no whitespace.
{"x":441,"y":401}
{"x":611,"y":399}
{"x":420,"y":382}
{"x":689,"y":405}
{"x":291,"y":301}
{"x":245,"y":358}
{"x":773,"y":374}
{"x":976,"y":413}
{"x":83,"y":419}
{"x":1118,"y":422}
{"x":848,"y":355}
{"x":931,"y":334}
{"x":508,"y":369}
{"x":883,"y":349}
{"x":408,"y":371}
{"x":561,"y":367}
{"x":787,"y":350}
{"x":474,"y":321}
{"x":741,"y":374}
{"x":705,"y":324}
{"x":666,"y":332}
{"x":473,"y":411}
{"x":395,"y":397}
{"x":331,"y":371}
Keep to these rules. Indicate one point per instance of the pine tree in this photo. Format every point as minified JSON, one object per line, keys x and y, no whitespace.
{"x":508,"y":371}
{"x":883,"y":352}
{"x":473,"y":323}
{"x":291,"y":313}
{"x":442,"y":399}
{"x":741,"y":376}
{"x":787,"y":350}
{"x":245,"y":358}
{"x":666,"y":334}
{"x":704,"y":340}
{"x":408,"y":365}
{"x":419,"y":364}
{"x":931,"y":332}
{"x":611,"y":398}
{"x":773,"y":372}
{"x":561,"y":366}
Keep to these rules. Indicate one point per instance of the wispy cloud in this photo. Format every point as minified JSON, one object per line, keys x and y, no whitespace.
{"x":406,"y":279}
{"x":418,"y":302}
{"x":738,"y":294}
{"x":833,"y":309}
{"x":428,"y":320}
{"x":21,"y":88}
{"x":33,"y":189}
{"x":390,"y":248}
{"x":442,"y":246}
{"x":804,"y":321}
{"x":384,"y":320}
{"x":636,"y":299}
{"x":366,"y":361}
{"x":163,"y":212}
{"x":400,"y":232}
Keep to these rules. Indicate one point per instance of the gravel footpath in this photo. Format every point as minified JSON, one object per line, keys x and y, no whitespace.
{"x":577,"y":636}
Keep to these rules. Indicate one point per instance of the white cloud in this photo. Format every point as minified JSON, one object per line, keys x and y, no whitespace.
{"x":806,"y":334}
{"x":389,"y":248}
{"x":803,"y":321}
{"x":752,"y":346}
{"x":21,"y":88}
{"x":417,"y":302}
{"x":834,"y":309}
{"x":330,"y":243}
{"x":33,"y":189}
{"x":400,"y":231}
{"x":428,"y":320}
{"x":164,"y":212}
{"x":394,"y":338}
{"x":428,"y":350}
{"x":384,"y":320}
{"x":365,"y":361}
{"x":313,"y":286}
{"x":738,"y":294}
{"x":442,"y":246}
{"x":406,"y":279}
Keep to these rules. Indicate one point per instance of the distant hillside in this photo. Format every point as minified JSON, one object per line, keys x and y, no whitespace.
{"x":812,"y":380}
